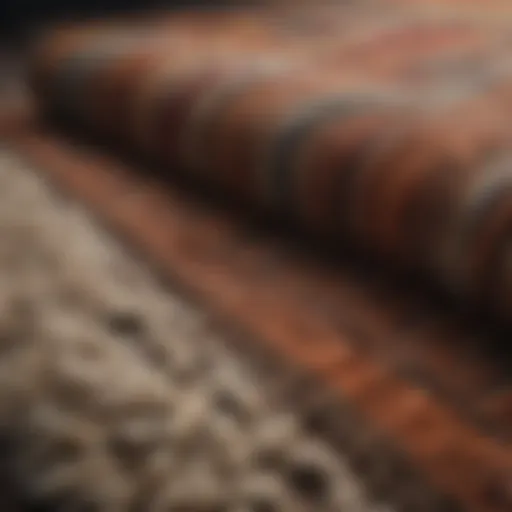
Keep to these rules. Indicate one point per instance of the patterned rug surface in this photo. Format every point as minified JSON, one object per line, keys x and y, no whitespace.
{"x":378,"y":130}
{"x":385,"y":122}
{"x":116,"y":395}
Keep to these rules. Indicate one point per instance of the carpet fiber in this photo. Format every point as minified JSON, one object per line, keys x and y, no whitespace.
{"x":377,"y":128}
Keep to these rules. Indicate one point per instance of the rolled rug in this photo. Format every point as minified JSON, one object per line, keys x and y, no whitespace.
{"x":344,"y":133}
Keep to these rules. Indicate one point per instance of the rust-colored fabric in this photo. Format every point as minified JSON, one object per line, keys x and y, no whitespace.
{"x":380,"y":123}
{"x":279,"y":98}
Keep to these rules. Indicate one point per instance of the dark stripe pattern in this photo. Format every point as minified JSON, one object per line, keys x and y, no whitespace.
{"x":383,"y":120}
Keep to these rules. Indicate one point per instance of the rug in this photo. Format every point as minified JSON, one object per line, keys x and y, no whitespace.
{"x":378,"y":130}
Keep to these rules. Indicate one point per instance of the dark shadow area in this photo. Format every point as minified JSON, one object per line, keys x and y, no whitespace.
{"x":20,"y":18}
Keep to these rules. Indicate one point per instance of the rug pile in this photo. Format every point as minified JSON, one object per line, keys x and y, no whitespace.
{"x":385,"y":122}
{"x":378,"y":125}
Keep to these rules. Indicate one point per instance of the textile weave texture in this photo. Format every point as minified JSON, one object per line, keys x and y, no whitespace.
{"x":117,"y":395}
{"x":381,"y":121}
{"x":382,"y":125}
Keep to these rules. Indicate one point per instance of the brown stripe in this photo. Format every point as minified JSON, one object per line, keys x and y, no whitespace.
{"x":394,"y":175}
{"x":326,"y":165}
{"x":244,"y":132}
